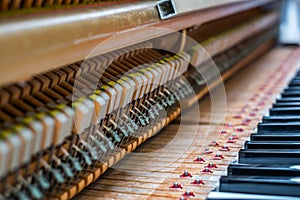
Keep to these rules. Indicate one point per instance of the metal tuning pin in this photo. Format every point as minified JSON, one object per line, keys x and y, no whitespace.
{"x":176,"y":186}
{"x":186,"y":174}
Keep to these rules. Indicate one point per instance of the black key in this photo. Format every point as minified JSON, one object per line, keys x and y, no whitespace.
{"x":285,"y":111}
{"x":269,"y":156}
{"x":286,"y":104}
{"x":275,"y":138}
{"x":274,"y":128}
{"x":273,"y":145}
{"x":294,"y":83}
{"x":263,"y":170}
{"x":246,"y":196}
{"x":260,"y":185}
{"x":281,"y":119}
{"x":287,"y":94}
{"x":282,"y":100}
{"x":294,"y":88}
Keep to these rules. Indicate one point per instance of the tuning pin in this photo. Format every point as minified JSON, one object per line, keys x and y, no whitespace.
{"x":231,"y":140}
{"x":214,"y":143}
{"x":211,"y":165}
{"x":234,"y":136}
{"x":246,"y":122}
{"x":239,"y":129}
{"x":186,"y":174}
{"x":207,"y":151}
{"x":218,"y":156}
{"x":176,"y":185}
{"x":238,"y":116}
{"x":189,"y":194}
{"x":199,"y":159}
{"x":183,"y":198}
{"x":206,"y":171}
{"x":198,"y":182}
{"x":224,"y":148}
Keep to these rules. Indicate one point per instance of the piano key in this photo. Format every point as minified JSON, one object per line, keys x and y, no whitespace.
{"x":275,"y":128}
{"x":286,"y":104}
{"x":287,"y":100}
{"x":269,"y":156}
{"x":273,"y":145}
{"x":263,"y":170}
{"x":275,"y":137}
{"x":245,"y":196}
{"x":285,"y":111}
{"x":280,"y":119}
{"x":288,"y":94}
{"x":287,"y":186}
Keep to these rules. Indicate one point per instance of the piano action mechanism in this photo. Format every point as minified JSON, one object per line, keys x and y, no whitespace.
{"x":100,"y":99}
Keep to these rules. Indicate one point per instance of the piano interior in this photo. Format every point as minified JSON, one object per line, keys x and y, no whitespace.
{"x":168,"y":99}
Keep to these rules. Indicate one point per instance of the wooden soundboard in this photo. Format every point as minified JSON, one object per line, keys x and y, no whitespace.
{"x":156,"y":169}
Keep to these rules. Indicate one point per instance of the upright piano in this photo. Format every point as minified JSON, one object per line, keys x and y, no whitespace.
{"x":130,"y":99}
